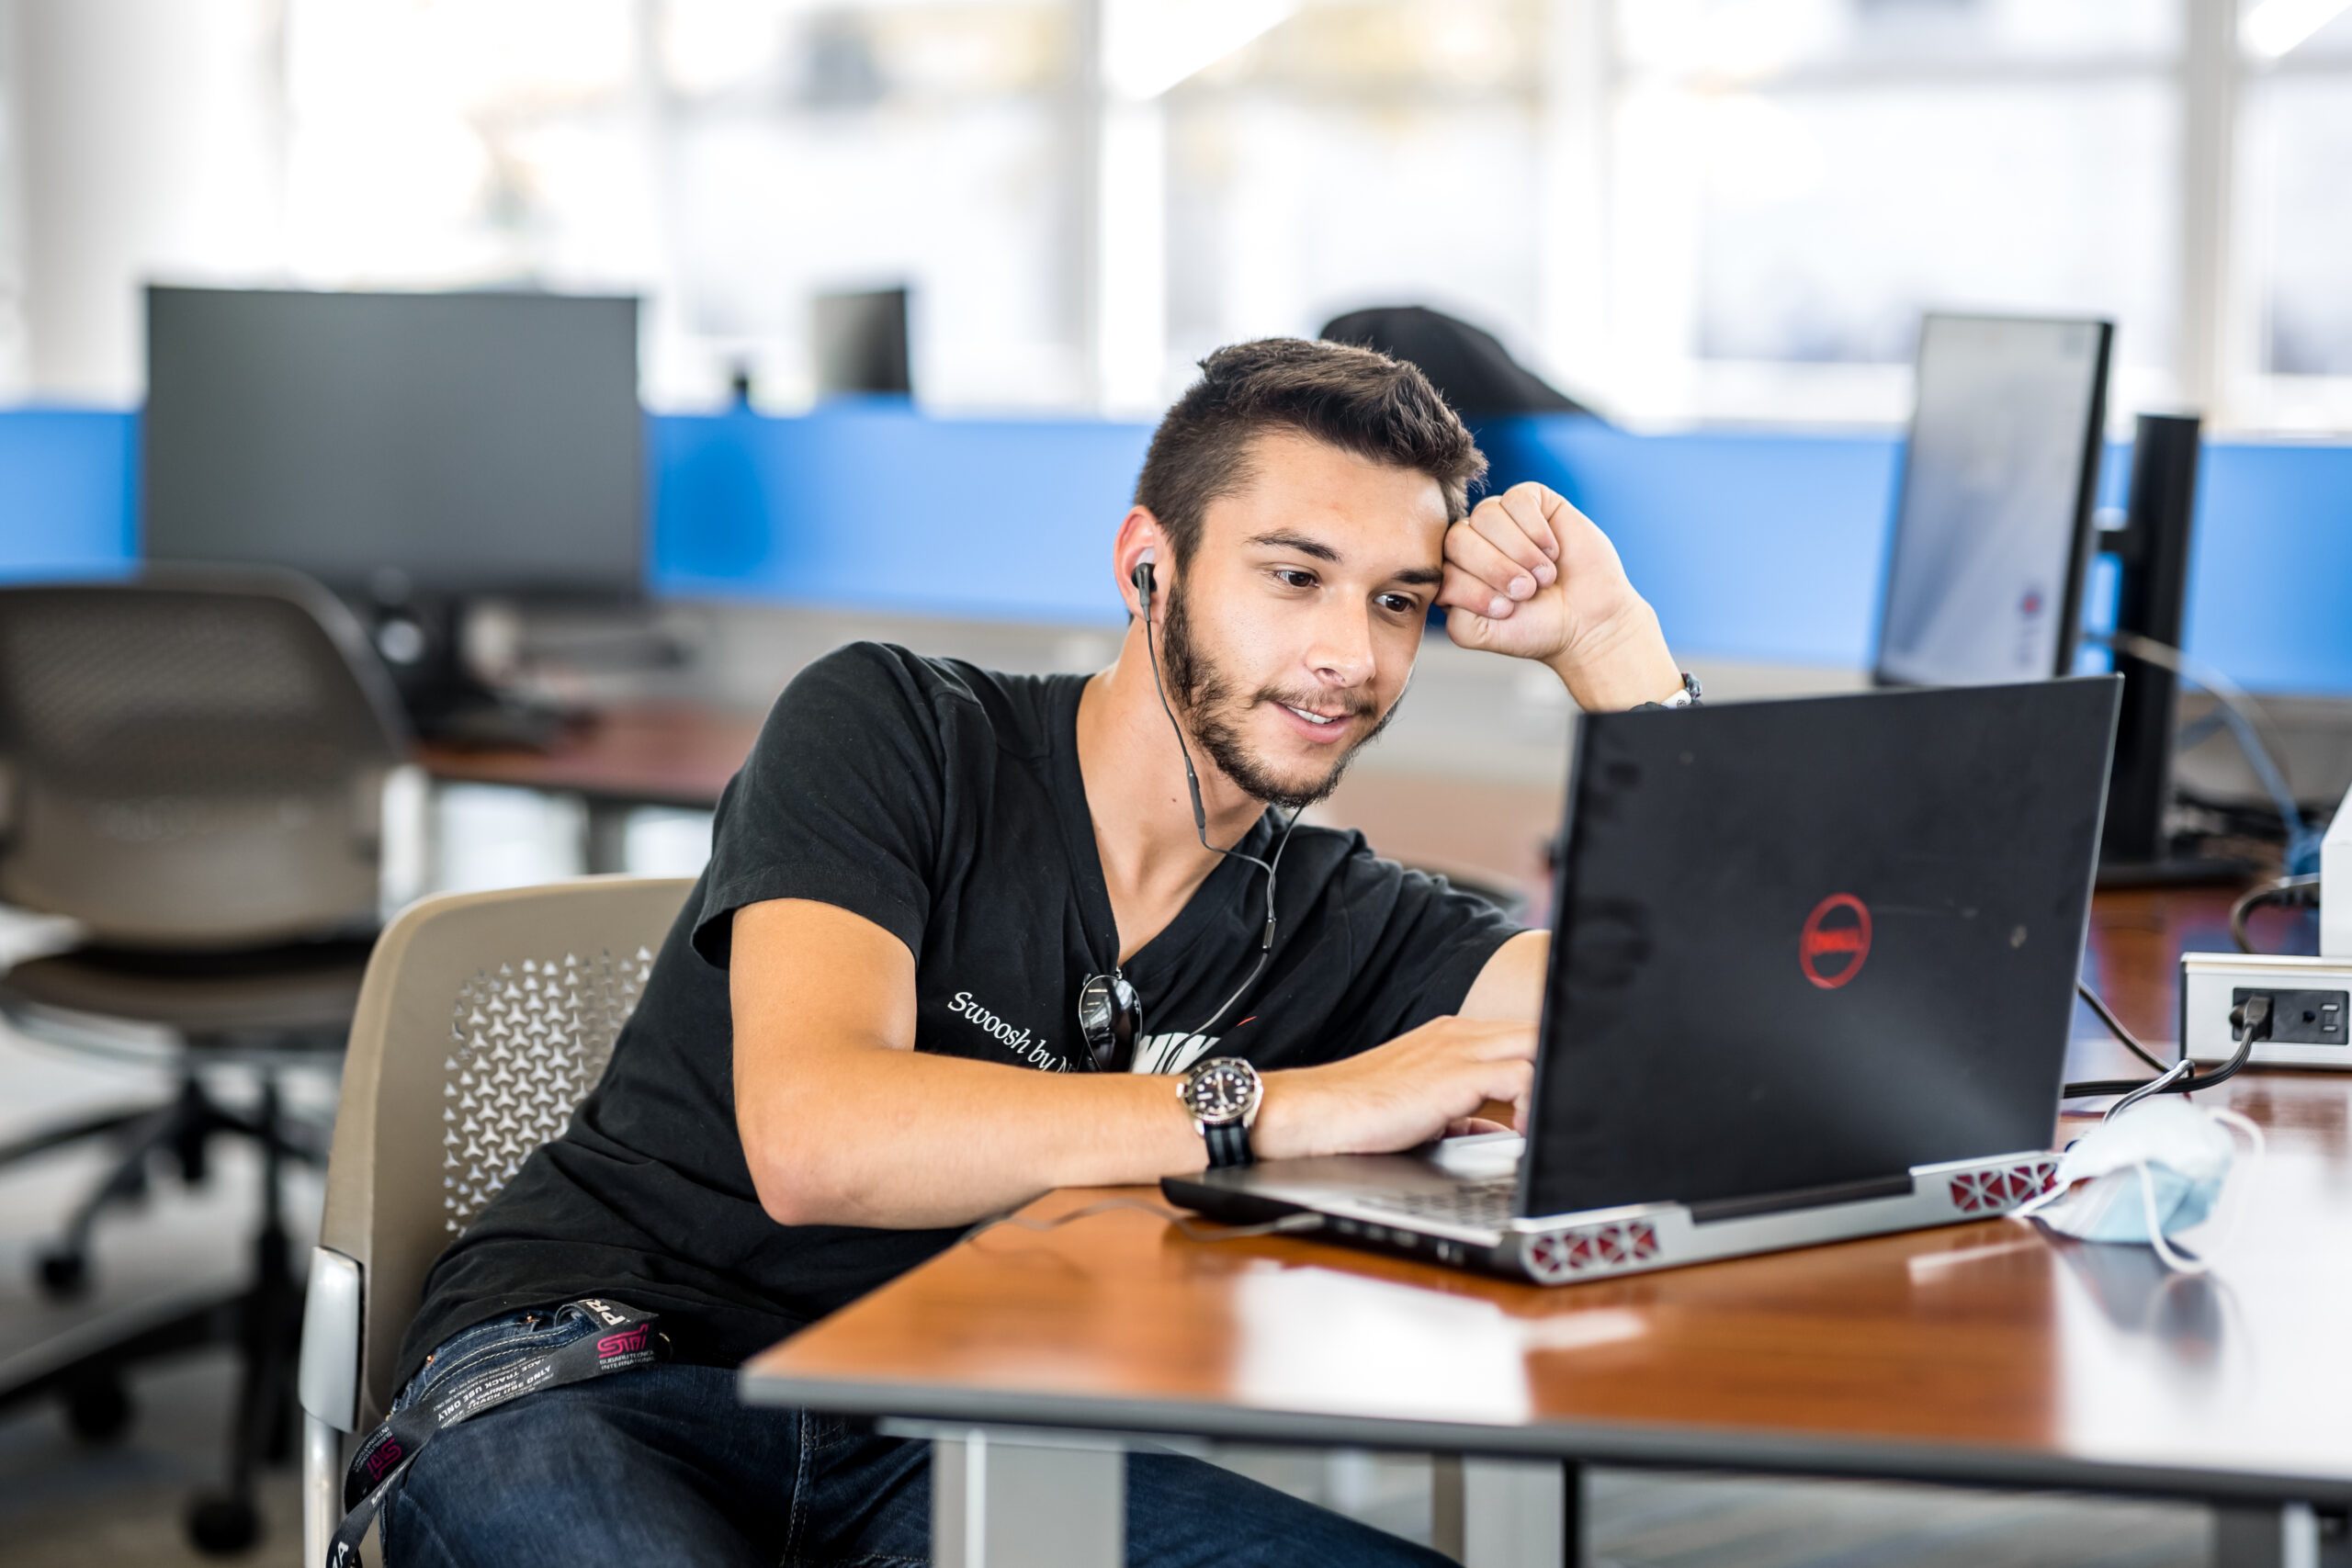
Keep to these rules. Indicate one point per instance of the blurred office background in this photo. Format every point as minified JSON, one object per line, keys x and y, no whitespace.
{"x":1680,"y":209}
{"x":1715,"y":221}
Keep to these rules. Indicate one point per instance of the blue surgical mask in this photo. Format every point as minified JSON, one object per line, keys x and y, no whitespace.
{"x":2145,"y":1177}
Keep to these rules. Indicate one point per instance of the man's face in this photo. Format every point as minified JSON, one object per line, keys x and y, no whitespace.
{"x":1291,"y":633}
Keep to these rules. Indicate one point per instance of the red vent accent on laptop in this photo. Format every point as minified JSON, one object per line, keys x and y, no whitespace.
{"x":2001,"y":1188}
{"x":1595,"y":1249}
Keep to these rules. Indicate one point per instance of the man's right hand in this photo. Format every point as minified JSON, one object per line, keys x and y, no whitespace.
{"x":1398,"y":1095}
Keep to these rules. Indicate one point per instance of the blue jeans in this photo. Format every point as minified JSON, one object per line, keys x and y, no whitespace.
{"x":661,"y":1464}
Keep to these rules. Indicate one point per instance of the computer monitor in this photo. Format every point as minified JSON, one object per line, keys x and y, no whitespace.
{"x":1992,"y":531}
{"x":432,"y":446}
{"x":859,"y":340}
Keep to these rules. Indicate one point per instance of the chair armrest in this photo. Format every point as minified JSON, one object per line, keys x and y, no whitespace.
{"x":329,"y":1381}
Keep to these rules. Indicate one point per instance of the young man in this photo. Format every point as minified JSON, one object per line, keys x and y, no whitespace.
{"x":963,"y":938}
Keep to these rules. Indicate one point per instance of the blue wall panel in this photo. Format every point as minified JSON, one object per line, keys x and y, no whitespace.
{"x":880,"y":507}
{"x":1750,"y":546}
{"x":68,"y":482}
{"x":2271,"y":582}
{"x":1753,"y":545}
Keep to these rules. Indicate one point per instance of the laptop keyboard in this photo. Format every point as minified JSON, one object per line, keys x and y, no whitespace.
{"x":1477,"y":1205}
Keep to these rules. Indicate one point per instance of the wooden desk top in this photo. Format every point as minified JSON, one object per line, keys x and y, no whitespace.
{"x":641,"y":754}
{"x":1978,"y":1352}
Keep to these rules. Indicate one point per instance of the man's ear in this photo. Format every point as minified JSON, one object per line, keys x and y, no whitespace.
{"x":1140,"y":555}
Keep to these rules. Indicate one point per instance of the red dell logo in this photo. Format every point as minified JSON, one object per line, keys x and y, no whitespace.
{"x":1836,"y":939}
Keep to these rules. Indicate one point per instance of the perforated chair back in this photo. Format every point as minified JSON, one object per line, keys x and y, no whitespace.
{"x":192,"y":760}
{"x":484,"y":1019}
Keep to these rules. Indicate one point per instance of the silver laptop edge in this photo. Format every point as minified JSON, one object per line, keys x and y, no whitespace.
{"x":1557,"y":1249}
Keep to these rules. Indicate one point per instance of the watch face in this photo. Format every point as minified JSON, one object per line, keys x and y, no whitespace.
{"x":1222,"y":1091}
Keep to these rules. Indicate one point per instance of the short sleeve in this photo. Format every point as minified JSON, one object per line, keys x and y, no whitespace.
{"x":841,"y":801}
{"x":1417,"y":945}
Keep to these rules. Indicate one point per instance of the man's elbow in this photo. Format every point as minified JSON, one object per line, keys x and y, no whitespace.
{"x":795,"y":1174}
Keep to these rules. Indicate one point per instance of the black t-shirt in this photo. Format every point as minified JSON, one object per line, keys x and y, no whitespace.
{"x":944,"y":803}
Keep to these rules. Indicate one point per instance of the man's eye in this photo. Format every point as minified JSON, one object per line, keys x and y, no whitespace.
{"x":1291,"y":577}
{"x":1399,"y":604}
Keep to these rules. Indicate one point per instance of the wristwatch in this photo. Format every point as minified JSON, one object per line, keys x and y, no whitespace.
{"x":1687,"y":697}
{"x":1223,"y":1094}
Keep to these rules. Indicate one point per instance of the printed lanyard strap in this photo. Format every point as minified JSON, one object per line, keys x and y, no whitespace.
{"x":628,"y":1340}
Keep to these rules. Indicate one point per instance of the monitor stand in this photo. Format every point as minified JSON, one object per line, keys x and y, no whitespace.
{"x":447,"y":704}
{"x":2151,"y":555}
{"x":2184,"y":865}
{"x":493,"y":721}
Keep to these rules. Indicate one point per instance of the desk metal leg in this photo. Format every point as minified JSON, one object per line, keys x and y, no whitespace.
{"x":2292,"y":1536}
{"x":1498,"y":1513}
{"x":604,"y":836}
{"x":1003,"y":1501}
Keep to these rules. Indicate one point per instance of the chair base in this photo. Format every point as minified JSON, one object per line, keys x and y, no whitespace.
{"x":86,"y":1366}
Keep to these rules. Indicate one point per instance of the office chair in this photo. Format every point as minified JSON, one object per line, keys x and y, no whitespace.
{"x":191,"y":769}
{"x":1468,"y":365}
{"x":478,"y":1007}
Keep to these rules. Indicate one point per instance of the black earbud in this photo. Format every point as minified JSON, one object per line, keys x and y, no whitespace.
{"x":1142,"y":578}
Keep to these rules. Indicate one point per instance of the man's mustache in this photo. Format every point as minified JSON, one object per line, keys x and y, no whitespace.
{"x":1353,"y":704}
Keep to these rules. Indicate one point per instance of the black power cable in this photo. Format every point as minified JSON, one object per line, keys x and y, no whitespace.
{"x":2303,"y":890}
{"x":2249,"y":1022}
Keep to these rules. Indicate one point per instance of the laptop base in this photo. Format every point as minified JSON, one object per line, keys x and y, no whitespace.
{"x":1562,"y":1249}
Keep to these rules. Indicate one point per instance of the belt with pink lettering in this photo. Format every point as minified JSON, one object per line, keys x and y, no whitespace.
{"x":619,"y":1338}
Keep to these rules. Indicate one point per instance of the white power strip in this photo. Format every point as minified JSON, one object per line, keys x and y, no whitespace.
{"x":2311,"y":998}
{"x":2304,"y":1033}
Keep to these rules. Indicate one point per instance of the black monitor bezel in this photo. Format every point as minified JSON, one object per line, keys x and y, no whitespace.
{"x":636,"y":592}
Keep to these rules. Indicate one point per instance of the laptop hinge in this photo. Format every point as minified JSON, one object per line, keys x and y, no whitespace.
{"x":1801,"y":1198}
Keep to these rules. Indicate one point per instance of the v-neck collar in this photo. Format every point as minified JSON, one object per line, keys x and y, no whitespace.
{"x":1218,"y":895}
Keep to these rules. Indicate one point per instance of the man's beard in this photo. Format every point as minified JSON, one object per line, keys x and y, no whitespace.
{"x":1204,"y":696}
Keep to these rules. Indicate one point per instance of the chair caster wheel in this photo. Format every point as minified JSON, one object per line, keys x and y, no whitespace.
{"x":222,"y":1526}
{"x":98,"y":1411}
{"x":63,"y":1274}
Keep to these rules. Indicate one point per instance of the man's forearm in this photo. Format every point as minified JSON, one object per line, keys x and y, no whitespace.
{"x":909,"y":1140}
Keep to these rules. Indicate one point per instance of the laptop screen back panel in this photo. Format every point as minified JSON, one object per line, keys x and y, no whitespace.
{"x":1810,"y":944}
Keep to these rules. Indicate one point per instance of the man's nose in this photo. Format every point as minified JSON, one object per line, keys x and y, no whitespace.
{"x":1341,"y":655}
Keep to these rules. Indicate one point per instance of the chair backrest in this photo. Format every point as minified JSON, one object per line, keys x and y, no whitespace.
{"x":484,"y":1019}
{"x":194,"y":759}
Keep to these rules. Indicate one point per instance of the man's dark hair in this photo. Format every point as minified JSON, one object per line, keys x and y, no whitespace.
{"x":1356,"y":399}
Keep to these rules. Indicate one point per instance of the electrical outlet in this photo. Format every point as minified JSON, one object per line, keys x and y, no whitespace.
{"x":2301,"y":1018}
{"x":2212,"y":984}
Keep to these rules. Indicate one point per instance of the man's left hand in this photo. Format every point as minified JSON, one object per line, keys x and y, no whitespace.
{"x":1530,"y":576}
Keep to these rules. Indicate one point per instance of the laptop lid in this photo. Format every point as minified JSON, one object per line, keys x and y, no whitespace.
{"x":1813,"y":943}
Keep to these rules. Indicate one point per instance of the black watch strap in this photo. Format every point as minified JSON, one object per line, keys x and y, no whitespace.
{"x":1228,"y":1144}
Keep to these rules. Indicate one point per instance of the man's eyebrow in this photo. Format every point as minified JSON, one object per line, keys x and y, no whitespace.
{"x":1285,"y":539}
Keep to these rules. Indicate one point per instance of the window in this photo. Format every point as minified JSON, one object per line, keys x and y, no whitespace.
{"x":726,"y":157}
{"x":2292,"y":368}
{"x":1794,"y":182}
{"x":1675,"y":209}
{"x":1379,"y":153}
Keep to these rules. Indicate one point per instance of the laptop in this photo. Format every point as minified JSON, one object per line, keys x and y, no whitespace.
{"x":1812,"y":978}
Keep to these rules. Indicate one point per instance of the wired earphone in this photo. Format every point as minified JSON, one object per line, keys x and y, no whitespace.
{"x":1142,"y":578}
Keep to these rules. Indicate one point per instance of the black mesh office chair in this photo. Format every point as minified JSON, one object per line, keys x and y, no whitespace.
{"x":192,"y":769}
